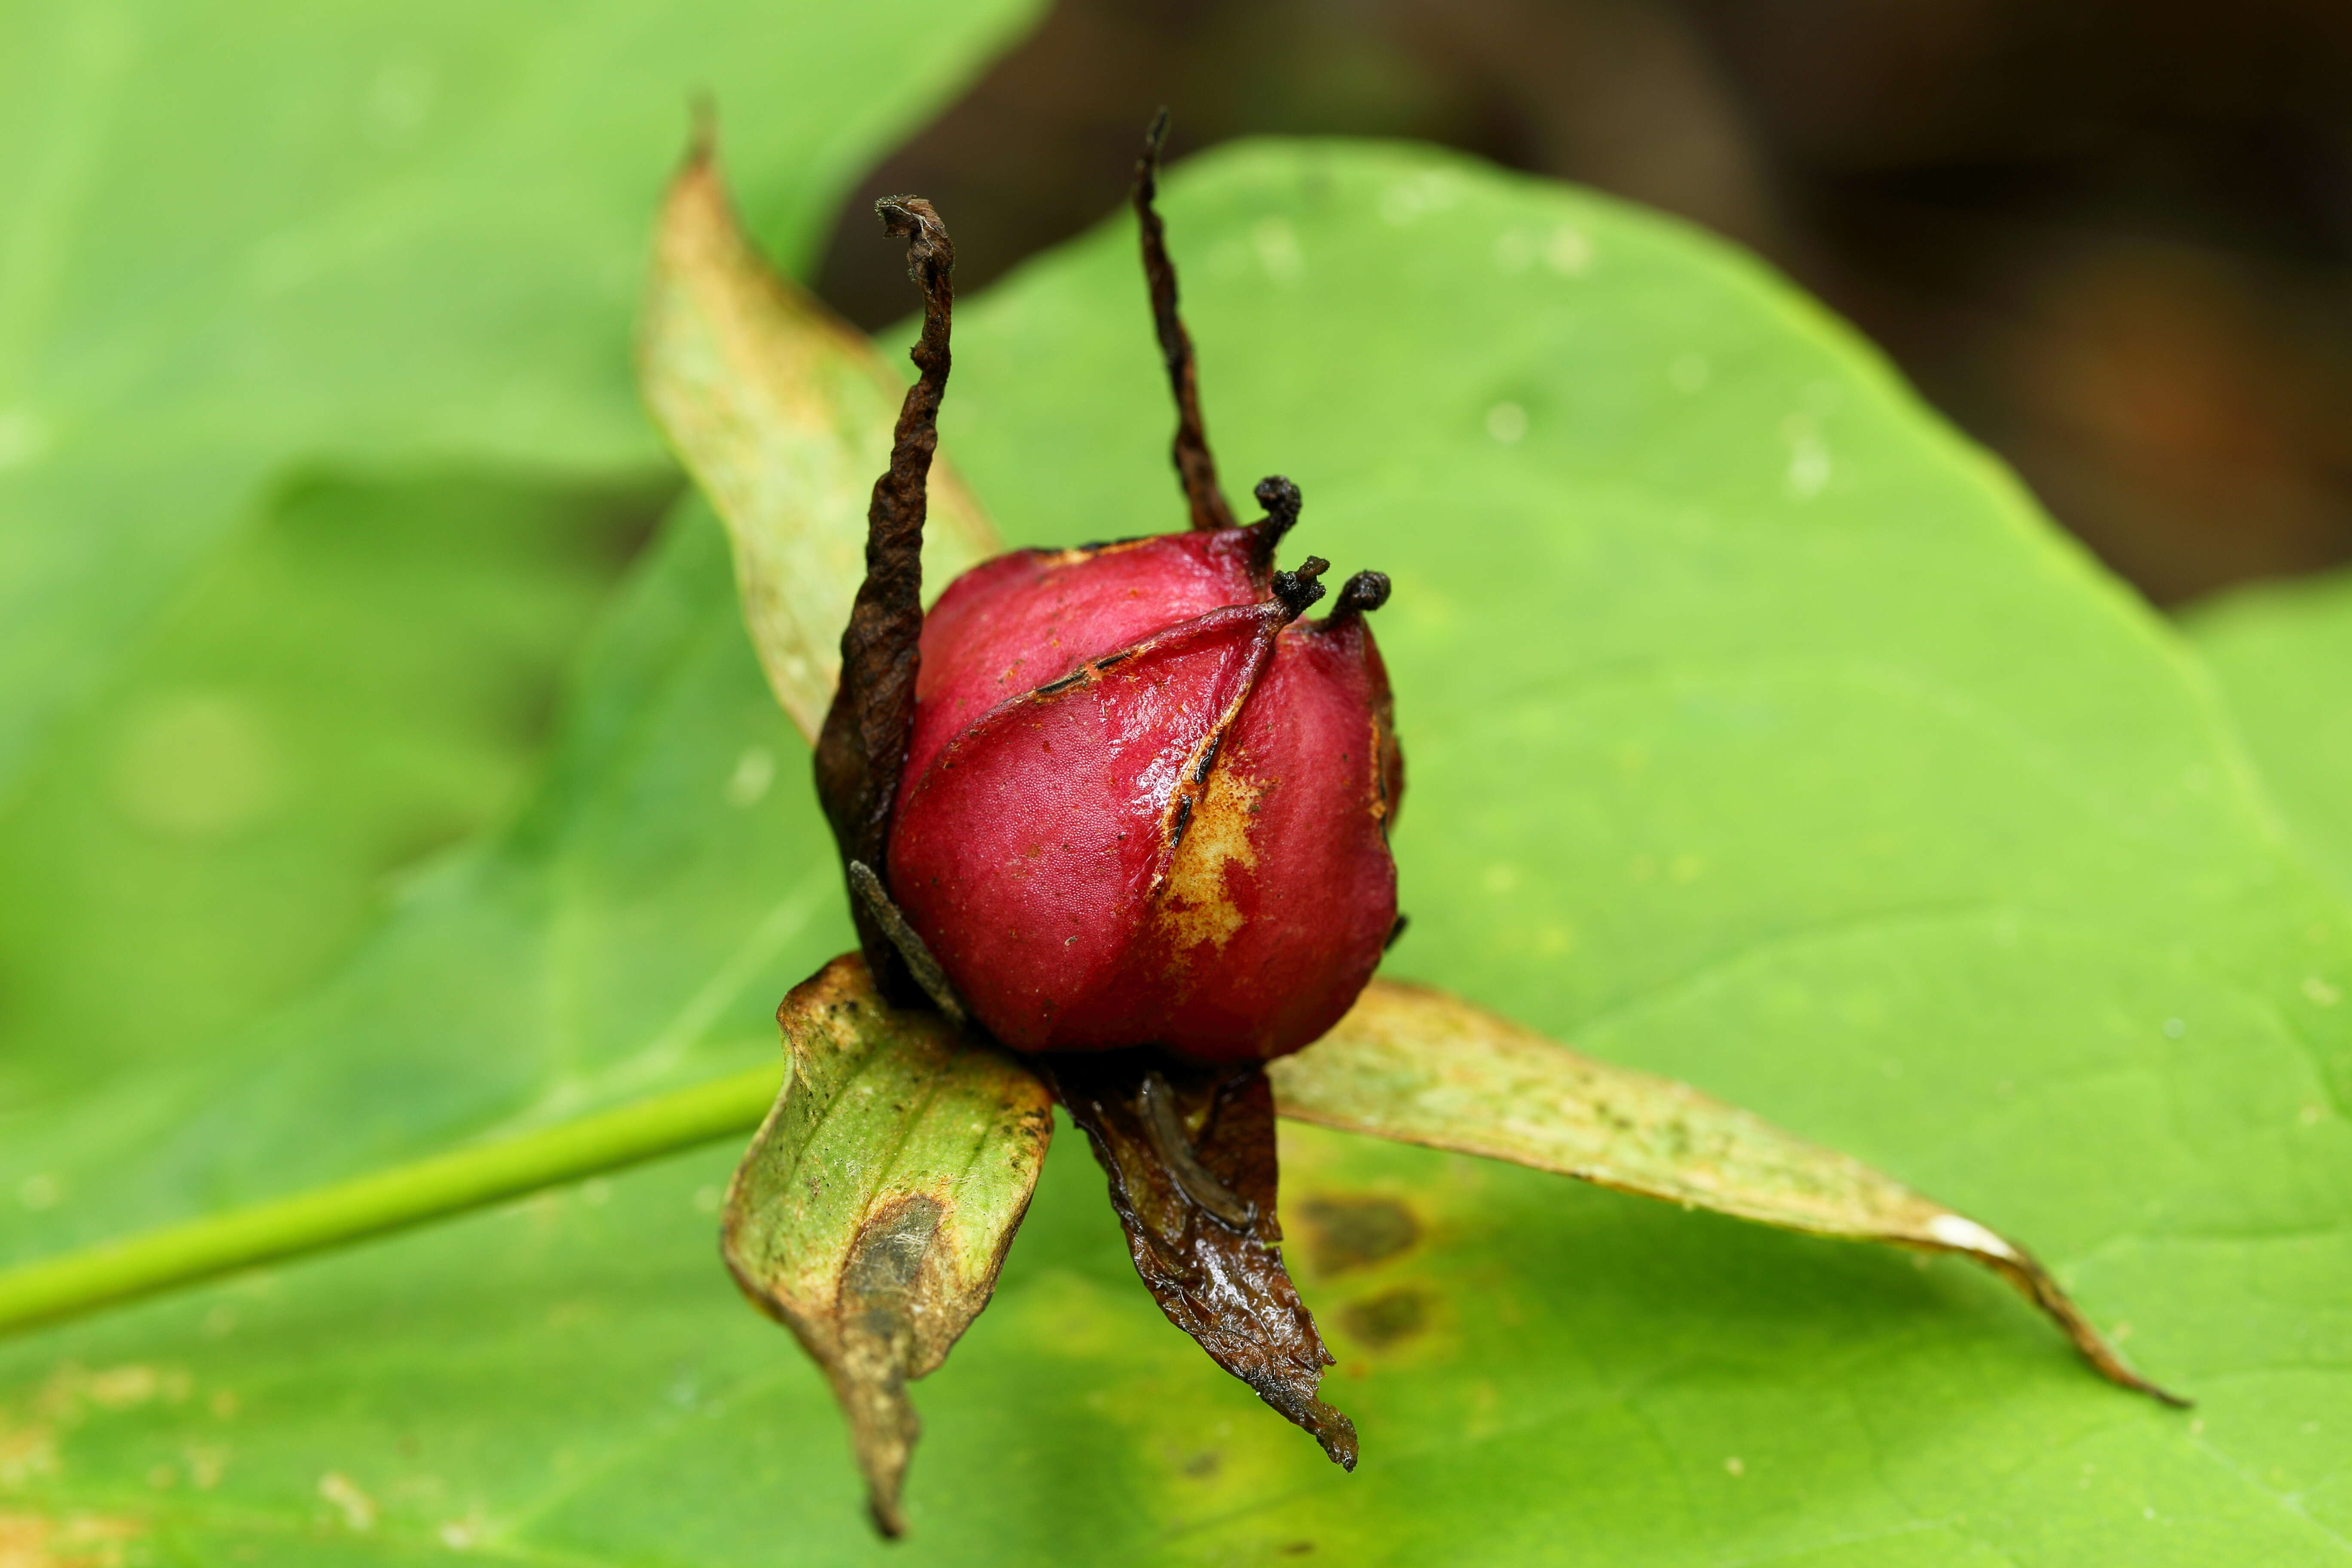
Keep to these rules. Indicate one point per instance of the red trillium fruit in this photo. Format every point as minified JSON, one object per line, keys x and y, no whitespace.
{"x":1146,"y":800}
{"x":1127,"y":805}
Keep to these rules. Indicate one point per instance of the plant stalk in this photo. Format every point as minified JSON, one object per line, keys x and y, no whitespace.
{"x":434,"y":1188}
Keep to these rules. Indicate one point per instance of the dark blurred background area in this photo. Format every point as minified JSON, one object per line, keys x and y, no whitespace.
{"x":2112,"y":241}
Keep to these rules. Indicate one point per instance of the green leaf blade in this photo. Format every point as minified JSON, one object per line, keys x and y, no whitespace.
{"x":2281,"y":653}
{"x":247,"y":238}
{"x":359,"y":684}
{"x":874,"y":1209}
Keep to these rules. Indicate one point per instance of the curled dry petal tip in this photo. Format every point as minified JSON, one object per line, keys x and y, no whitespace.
{"x":702,"y":139}
{"x":1190,"y":1155}
{"x":1361,"y":594}
{"x":915,"y":220}
{"x":1298,"y":590}
{"x":1281,"y":500}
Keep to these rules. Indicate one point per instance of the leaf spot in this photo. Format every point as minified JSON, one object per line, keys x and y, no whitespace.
{"x":356,"y":1506}
{"x":1388,"y":1317}
{"x":1345,"y":1233}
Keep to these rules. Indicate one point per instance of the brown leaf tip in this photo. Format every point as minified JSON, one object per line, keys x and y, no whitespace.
{"x":1336,"y":1434}
{"x":702,"y":134}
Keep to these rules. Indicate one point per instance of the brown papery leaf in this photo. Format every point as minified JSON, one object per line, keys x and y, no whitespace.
{"x":783,"y":415}
{"x":872,"y":1210}
{"x":1189,"y":1154}
{"x":1421,"y":1066}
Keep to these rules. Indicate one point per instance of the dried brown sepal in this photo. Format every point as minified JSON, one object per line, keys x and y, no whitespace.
{"x":1189,"y":1153}
{"x":1194,"y":466}
{"x":862,"y":749}
{"x":1415,"y":1064}
{"x":872,"y":1210}
{"x":783,"y":413}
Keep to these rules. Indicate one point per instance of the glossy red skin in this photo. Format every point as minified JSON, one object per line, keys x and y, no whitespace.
{"x":1037,"y":845}
{"x":1015,"y":623}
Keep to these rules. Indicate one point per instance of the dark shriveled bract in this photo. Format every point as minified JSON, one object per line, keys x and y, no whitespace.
{"x":1194,"y":466}
{"x":1189,"y":1153}
{"x":862,"y":749}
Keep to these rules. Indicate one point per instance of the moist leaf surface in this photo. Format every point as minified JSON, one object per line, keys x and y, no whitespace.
{"x":1764,"y":737}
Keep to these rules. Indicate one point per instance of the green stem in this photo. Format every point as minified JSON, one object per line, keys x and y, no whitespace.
{"x":444,"y":1184}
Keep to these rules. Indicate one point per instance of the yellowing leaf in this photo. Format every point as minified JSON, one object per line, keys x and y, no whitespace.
{"x":1411,"y":1063}
{"x":784,"y":414}
{"x":874,"y":1208}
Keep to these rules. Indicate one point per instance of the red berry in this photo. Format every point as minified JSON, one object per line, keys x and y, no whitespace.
{"x":1145,"y":803}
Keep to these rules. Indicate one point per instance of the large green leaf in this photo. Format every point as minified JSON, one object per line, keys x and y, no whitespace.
{"x":2283,"y":653}
{"x":632,"y":930}
{"x":241,"y":234}
{"x":356,"y":684}
{"x":318,"y":436}
{"x":1762,"y":735}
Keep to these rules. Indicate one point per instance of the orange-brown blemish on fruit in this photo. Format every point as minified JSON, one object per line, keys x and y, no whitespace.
{"x":1196,"y":904}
